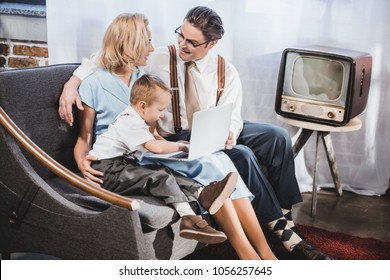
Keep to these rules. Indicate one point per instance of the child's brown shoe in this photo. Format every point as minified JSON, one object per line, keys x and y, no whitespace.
{"x":195,"y":227}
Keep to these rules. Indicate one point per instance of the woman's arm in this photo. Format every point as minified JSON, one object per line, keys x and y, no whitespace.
{"x":84,"y":144}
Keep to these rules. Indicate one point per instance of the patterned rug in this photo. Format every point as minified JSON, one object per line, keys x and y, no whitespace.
{"x":338,"y":245}
{"x":342,"y":246}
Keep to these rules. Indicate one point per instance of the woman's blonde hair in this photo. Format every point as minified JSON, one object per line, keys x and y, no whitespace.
{"x":125,"y":41}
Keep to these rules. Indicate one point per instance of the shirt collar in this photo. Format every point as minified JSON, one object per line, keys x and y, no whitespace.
{"x":201,"y":64}
{"x":132,"y":112}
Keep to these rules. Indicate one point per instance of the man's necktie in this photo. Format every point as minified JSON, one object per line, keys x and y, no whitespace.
{"x":191,"y":97}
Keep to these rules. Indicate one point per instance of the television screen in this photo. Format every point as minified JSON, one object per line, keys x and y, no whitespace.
{"x":326,"y":83}
{"x":323,"y":85}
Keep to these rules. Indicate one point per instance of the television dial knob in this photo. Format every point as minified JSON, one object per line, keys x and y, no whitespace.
{"x":331,"y":115}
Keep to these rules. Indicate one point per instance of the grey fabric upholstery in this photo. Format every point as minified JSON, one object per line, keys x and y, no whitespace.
{"x":55,"y":217}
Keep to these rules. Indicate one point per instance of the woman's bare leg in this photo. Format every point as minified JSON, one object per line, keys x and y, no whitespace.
{"x":252,"y":228}
{"x":227,"y":219}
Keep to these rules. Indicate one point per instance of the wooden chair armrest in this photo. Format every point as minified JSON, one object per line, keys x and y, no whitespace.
{"x":60,"y":170}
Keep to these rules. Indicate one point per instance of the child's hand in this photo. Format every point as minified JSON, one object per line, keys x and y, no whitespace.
{"x":184,"y":145}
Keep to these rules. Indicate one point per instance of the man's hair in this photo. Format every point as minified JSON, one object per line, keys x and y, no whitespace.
{"x":144,"y":89}
{"x":208,"y":21}
{"x":125,"y":42}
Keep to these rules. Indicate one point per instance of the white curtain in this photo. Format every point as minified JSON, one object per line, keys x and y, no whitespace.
{"x":256,"y":32}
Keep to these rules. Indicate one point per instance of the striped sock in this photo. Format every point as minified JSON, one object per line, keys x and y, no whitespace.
{"x":288,"y":216}
{"x":288,"y":237}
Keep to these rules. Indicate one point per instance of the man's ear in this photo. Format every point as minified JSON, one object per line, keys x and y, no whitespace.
{"x":211,"y":44}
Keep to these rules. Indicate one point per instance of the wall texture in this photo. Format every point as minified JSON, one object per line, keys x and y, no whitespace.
{"x":21,"y":53}
{"x":23,"y":35}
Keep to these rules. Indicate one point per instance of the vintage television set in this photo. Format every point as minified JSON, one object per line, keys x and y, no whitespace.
{"x":323,"y":85}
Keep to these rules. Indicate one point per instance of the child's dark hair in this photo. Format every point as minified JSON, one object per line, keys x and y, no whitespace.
{"x":143,"y":89}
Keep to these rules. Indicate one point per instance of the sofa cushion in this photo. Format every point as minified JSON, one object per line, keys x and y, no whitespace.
{"x":154,"y":213}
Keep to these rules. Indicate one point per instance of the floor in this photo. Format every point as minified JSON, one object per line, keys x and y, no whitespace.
{"x":363,"y":216}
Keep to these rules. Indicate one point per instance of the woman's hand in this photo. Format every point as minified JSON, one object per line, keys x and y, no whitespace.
{"x":88,"y":172}
{"x":83,"y":146}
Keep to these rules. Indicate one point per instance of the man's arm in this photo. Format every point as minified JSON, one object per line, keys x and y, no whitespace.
{"x":69,"y":95}
{"x":233,"y":94}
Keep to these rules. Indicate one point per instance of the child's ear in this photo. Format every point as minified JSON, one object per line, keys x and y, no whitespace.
{"x":141,"y":105}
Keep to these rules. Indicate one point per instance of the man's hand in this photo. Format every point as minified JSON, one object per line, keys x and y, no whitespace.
{"x":229,"y":141}
{"x":88,"y":172}
{"x":68,"y":98}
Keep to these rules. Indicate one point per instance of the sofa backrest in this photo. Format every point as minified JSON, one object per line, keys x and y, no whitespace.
{"x":30,"y":97}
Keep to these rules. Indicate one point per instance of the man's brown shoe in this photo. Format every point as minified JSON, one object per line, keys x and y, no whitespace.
{"x":195,"y":227}
{"x":214,"y":195}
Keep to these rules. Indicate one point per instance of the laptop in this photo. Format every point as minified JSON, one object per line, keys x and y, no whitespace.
{"x":210,"y":130}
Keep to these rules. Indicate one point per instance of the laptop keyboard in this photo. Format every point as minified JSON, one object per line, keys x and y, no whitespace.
{"x":180,"y":155}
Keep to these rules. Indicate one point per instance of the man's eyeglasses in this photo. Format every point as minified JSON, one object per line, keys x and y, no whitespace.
{"x":181,"y":38}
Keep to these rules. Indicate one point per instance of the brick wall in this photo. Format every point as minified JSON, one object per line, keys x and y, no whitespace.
{"x":22,"y":53}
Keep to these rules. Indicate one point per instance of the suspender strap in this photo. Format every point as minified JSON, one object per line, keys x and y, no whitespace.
{"x":175,"y":85}
{"x":221,"y":77}
{"x":175,"y":89}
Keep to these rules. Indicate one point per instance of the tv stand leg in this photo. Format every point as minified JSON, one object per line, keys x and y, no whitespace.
{"x":315,"y":177}
{"x":330,"y":154}
{"x":301,"y":141}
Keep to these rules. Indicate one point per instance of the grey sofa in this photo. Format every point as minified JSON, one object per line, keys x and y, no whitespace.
{"x":45,"y":207}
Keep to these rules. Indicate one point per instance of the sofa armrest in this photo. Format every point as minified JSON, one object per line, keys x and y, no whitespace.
{"x":60,"y":170}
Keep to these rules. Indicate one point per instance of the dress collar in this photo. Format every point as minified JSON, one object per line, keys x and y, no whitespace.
{"x":106,"y":80}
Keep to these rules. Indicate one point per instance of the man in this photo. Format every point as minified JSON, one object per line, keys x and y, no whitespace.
{"x":256,"y":143}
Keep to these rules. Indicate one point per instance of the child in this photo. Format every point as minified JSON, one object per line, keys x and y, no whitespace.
{"x":129,"y":135}
{"x":133,"y":132}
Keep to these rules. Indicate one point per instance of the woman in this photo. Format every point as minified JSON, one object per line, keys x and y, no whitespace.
{"x":126,"y":46}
